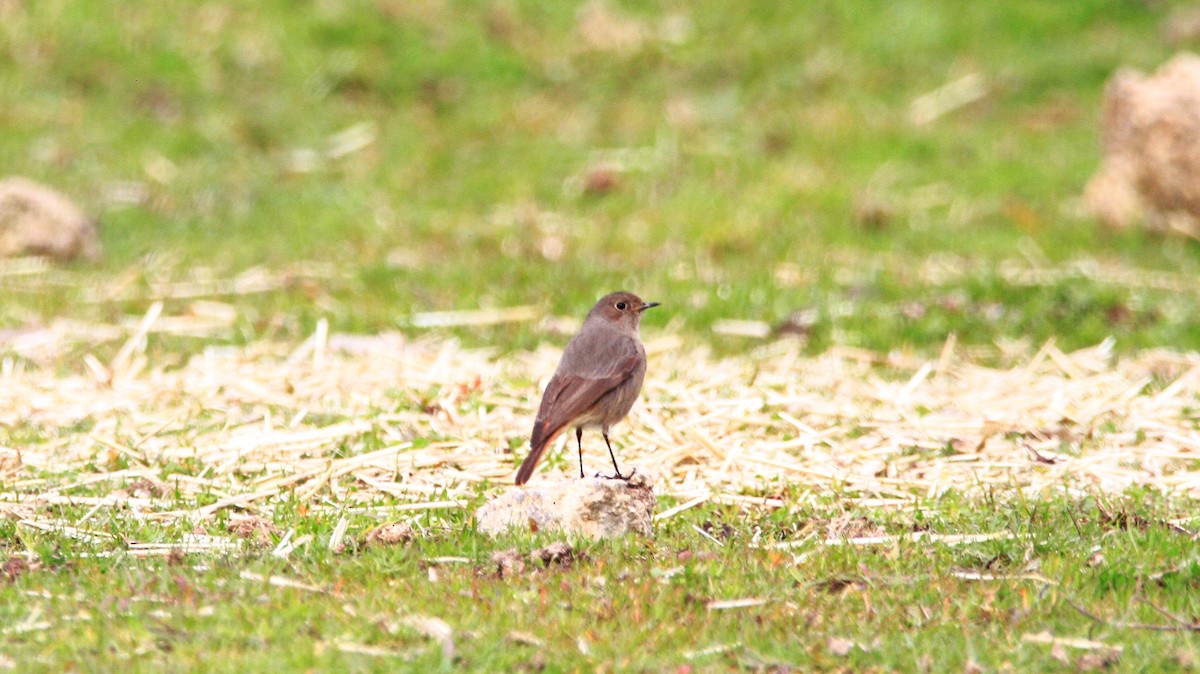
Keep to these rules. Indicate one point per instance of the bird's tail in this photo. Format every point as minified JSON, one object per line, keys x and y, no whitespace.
{"x":530,"y":462}
{"x":538,"y":442}
{"x":537,"y":449}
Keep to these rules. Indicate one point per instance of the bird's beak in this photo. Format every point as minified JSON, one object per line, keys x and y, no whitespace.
{"x":647,"y":305}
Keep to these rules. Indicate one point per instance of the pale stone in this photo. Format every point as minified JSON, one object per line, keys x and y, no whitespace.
{"x":1151,"y":130}
{"x":38,"y":220}
{"x":594,"y":507}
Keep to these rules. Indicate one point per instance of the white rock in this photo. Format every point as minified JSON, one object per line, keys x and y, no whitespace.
{"x":38,"y":220}
{"x":1151,"y":127}
{"x":595,"y":507}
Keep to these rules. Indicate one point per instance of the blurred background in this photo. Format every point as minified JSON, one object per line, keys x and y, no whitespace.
{"x":855,"y":173}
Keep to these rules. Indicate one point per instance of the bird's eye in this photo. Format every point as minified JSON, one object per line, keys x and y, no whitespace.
{"x":621,"y":306}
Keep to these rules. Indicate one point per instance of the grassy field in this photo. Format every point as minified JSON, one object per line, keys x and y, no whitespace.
{"x":730,"y":163}
{"x":648,"y":606}
{"x":389,"y":158}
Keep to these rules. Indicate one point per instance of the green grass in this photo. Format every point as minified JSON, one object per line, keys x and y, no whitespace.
{"x":765,"y":166}
{"x":751,"y":140}
{"x":636,"y":604}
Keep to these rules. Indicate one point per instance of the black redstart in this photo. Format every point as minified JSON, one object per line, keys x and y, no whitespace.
{"x":597,"y":380}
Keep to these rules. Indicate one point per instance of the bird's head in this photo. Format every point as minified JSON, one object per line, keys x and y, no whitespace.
{"x":622,"y":309}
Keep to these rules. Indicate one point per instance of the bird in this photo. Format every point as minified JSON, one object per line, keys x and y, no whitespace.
{"x":597,"y":381}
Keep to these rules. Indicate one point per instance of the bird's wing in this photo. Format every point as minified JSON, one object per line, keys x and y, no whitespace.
{"x":570,"y":394}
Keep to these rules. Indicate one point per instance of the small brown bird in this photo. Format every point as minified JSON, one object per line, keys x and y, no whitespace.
{"x":597,"y":380}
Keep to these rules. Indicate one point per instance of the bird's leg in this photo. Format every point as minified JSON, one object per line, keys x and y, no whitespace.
{"x":579,"y":443}
{"x":619,"y":476}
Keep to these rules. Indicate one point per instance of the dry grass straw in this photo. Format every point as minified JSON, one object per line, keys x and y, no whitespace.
{"x":376,"y":424}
